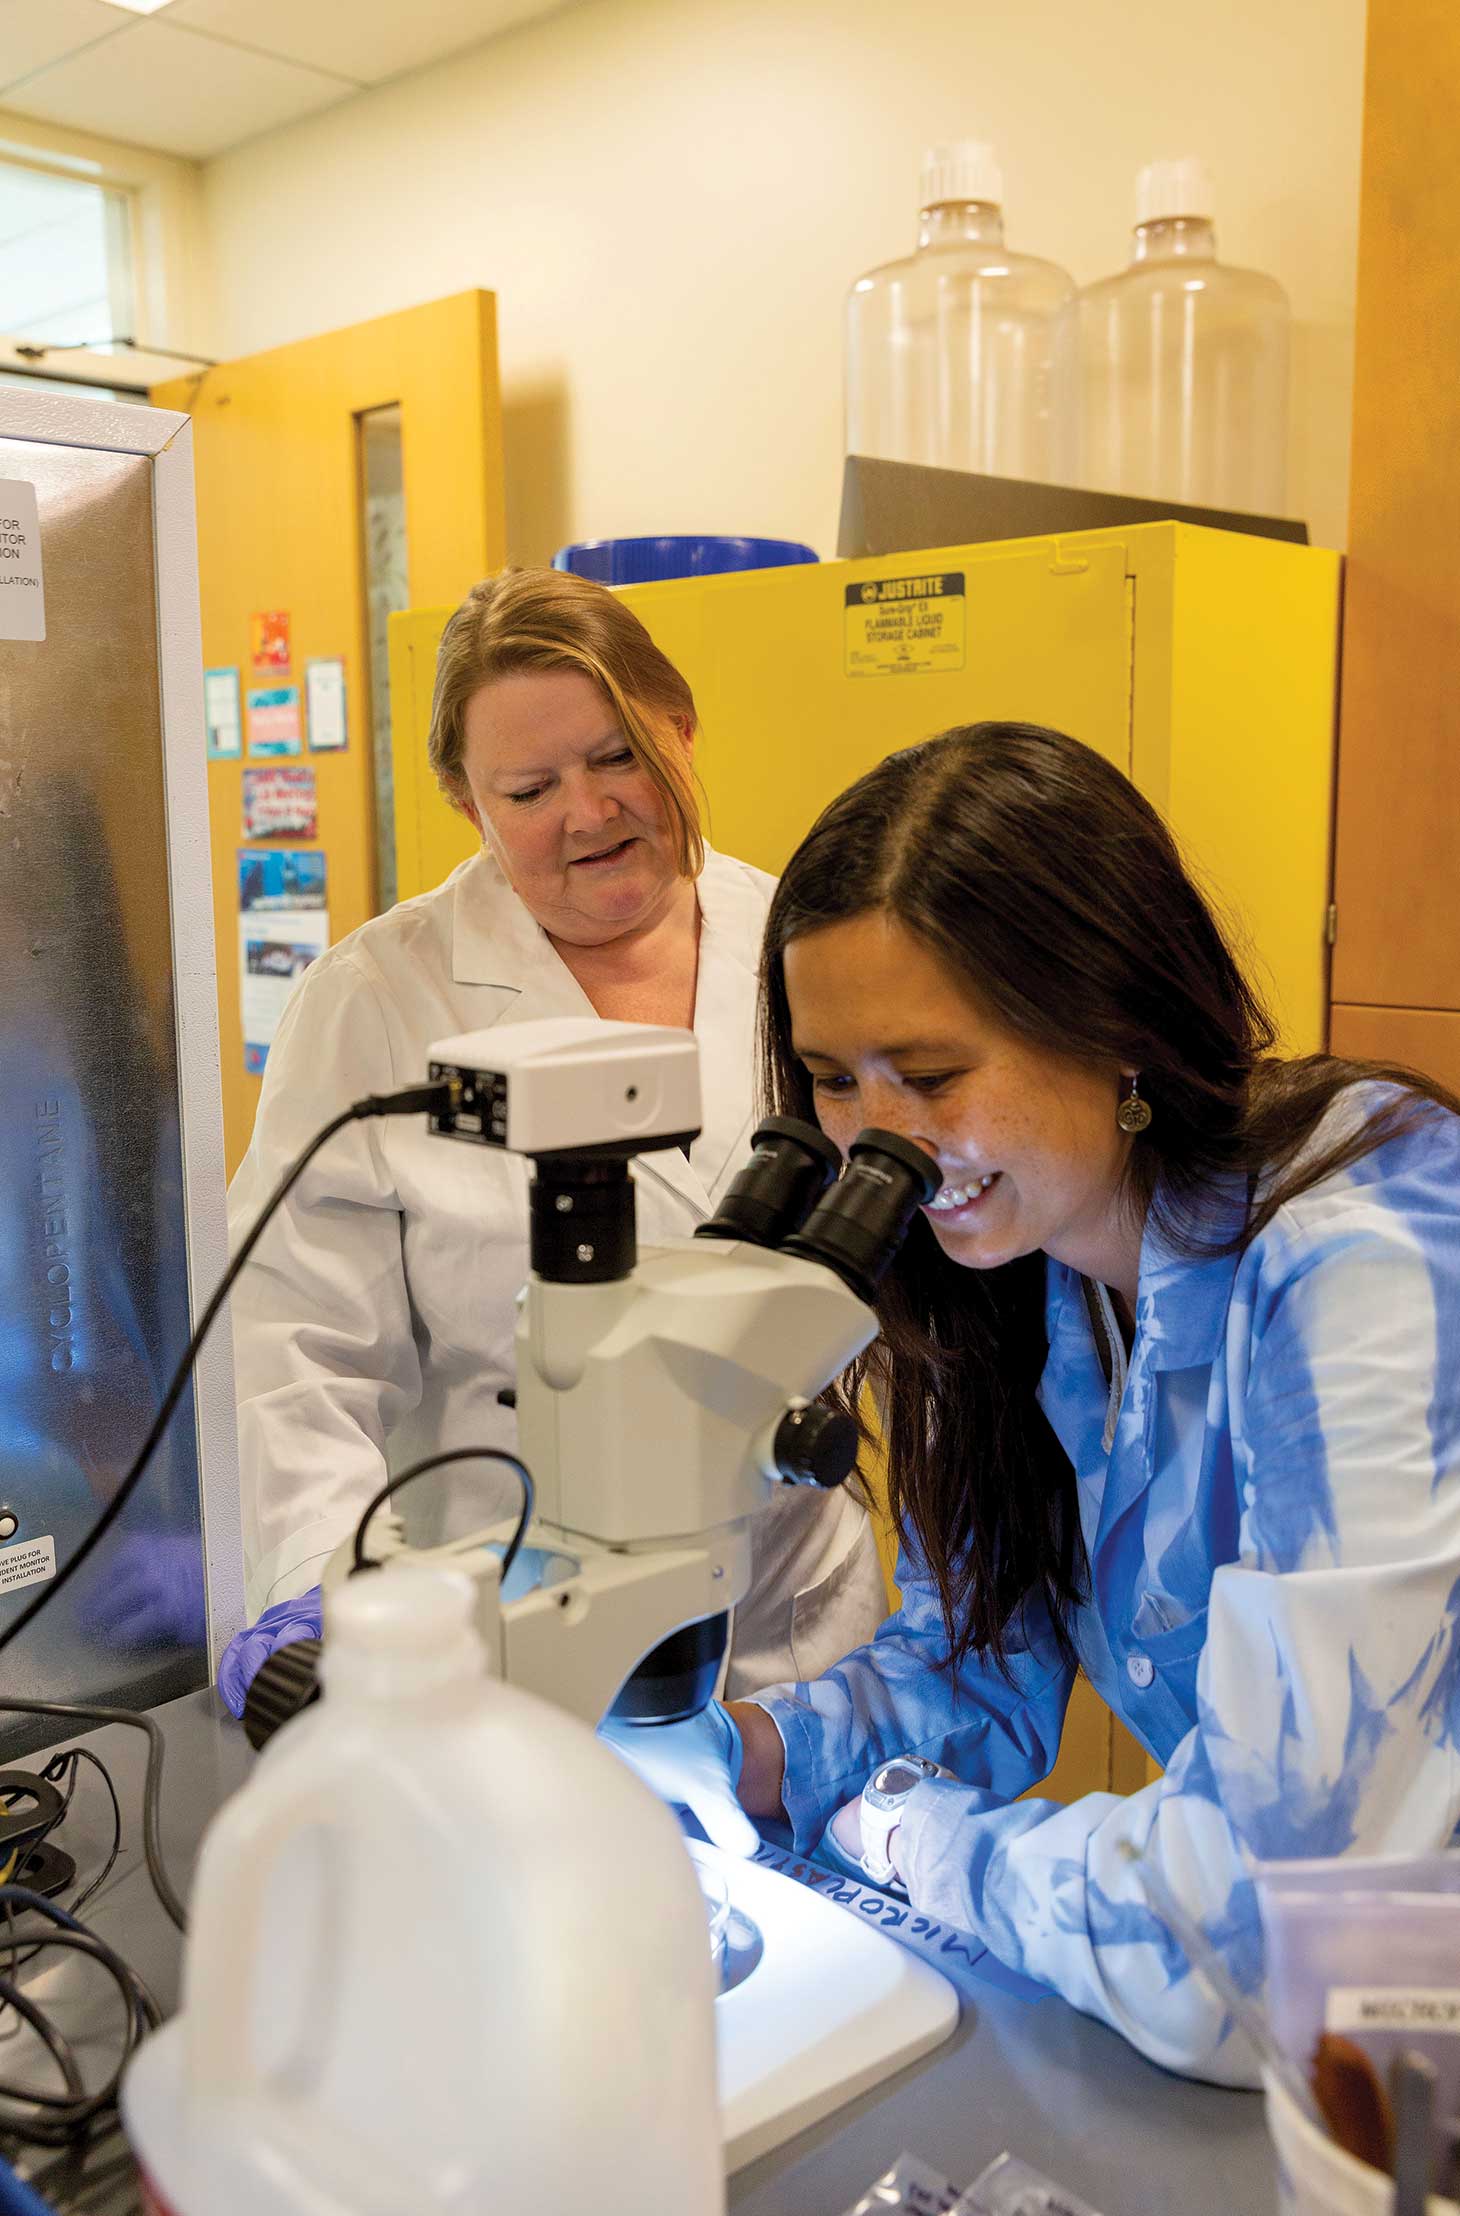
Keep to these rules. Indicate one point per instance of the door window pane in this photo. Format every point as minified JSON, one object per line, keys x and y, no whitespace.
{"x":386,"y":589}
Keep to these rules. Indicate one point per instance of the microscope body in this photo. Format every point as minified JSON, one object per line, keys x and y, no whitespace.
{"x":660,"y":1397}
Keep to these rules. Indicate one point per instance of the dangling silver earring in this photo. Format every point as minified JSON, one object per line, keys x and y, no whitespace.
{"x":1133,"y":1114}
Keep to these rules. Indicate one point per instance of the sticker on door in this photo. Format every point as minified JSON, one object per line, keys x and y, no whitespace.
{"x":22,"y":592}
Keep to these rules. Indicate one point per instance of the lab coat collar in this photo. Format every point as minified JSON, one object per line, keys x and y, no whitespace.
{"x":1182,"y":1299}
{"x":497,"y":943}
{"x":1181,"y":1316}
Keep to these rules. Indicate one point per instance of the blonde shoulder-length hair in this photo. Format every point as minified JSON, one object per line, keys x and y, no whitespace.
{"x":545,"y":619}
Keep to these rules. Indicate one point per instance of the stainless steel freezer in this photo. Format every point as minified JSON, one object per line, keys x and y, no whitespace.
{"x":111,"y":1159}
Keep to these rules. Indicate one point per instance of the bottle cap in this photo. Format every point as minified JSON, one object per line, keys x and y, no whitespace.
{"x":406,"y":1630}
{"x":966,"y":170}
{"x":1166,"y":191}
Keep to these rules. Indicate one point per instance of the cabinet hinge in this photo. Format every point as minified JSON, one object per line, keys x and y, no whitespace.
{"x":1330,"y":931}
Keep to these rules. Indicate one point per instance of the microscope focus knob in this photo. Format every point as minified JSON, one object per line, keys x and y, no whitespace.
{"x":283,"y":1685}
{"x":816,"y":1446}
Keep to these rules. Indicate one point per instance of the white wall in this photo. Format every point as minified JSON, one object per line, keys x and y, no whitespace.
{"x":669,"y":198}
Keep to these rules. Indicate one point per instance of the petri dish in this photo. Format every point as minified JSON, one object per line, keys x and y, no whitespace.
{"x":716,"y":1895}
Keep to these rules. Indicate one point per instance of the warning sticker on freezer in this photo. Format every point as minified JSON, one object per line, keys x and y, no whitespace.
{"x":33,"y":1562}
{"x":22,"y":595}
{"x":905,"y":626}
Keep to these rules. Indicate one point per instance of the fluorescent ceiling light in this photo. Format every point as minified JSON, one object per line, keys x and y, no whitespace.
{"x":140,"y":7}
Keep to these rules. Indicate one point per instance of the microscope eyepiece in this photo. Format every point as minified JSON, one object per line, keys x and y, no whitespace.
{"x":857,"y":1227}
{"x":791,"y":1167}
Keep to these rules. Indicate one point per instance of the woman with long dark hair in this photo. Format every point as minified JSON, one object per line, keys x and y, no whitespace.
{"x":1170,"y":1382}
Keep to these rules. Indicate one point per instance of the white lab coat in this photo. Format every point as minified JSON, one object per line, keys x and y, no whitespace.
{"x":375,"y":1322}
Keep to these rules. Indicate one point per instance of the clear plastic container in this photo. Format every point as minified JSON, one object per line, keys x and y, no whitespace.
{"x":447,"y":1953}
{"x":960,"y":355}
{"x":1183,"y":362}
{"x":716,"y":1896}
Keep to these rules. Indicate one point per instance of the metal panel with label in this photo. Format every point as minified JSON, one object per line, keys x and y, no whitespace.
{"x":110,"y":1139}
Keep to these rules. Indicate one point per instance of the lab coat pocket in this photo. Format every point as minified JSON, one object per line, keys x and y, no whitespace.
{"x":1172,"y":1654}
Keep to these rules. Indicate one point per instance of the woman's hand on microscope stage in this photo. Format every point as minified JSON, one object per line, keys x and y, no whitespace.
{"x":694,"y":1764}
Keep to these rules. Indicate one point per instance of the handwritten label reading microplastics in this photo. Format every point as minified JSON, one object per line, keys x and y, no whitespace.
{"x":33,"y":1562}
{"x":22,"y":594}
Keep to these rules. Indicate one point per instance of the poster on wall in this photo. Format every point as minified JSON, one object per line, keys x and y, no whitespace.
{"x":273,"y":719}
{"x":283,"y":926}
{"x":268,"y":642}
{"x":224,"y":714}
{"x":280,"y":802}
{"x":324,"y":697}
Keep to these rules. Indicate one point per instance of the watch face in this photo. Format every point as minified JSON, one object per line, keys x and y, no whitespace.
{"x":898,"y":1777}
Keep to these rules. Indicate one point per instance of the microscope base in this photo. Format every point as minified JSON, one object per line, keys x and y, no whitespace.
{"x":832,"y":2007}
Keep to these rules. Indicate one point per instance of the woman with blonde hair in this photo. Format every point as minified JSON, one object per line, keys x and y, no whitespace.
{"x":376,"y":1324}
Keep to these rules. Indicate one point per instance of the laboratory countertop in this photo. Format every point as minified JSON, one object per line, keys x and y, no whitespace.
{"x":1031,"y":2075}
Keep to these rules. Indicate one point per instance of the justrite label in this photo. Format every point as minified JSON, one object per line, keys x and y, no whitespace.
{"x":22,"y":594}
{"x":32,"y":1562}
{"x":1392,"y":2008}
{"x":905,"y":626}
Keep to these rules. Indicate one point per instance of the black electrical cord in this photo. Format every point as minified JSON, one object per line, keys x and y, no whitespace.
{"x":66,"y":1764}
{"x":57,"y":2120}
{"x":415,"y":1100}
{"x":75,"y":1756}
{"x":70,"y":1712}
{"x":54,"y":2042}
{"x":436,"y":1462}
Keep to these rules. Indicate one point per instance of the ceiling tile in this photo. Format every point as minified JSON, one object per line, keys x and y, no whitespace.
{"x":366,"y":39}
{"x":165,"y":87}
{"x":33,"y":36}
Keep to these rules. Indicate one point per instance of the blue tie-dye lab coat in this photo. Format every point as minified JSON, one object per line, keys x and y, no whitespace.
{"x":1274,"y":1576}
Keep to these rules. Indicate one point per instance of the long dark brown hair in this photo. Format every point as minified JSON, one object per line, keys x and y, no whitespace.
{"x":1052,"y":891}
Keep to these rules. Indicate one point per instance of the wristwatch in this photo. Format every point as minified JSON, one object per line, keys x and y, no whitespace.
{"x":884,"y":1801}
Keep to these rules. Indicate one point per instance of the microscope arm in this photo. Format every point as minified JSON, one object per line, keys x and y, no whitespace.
{"x":595,"y":1611}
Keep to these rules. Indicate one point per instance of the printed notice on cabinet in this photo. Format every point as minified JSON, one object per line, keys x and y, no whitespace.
{"x":905,"y":626}
{"x":22,"y":595}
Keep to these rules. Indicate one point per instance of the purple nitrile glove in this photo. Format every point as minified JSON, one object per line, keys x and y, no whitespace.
{"x":153,"y":1593}
{"x":277,"y":1627}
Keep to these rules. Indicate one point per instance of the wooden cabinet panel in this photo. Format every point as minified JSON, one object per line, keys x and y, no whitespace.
{"x":1398,"y":825}
{"x":1425,"y":1039}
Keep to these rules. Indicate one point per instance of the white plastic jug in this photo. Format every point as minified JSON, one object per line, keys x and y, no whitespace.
{"x":447,"y":1953}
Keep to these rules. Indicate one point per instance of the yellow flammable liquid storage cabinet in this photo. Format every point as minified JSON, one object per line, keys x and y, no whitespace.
{"x":1203,"y":662}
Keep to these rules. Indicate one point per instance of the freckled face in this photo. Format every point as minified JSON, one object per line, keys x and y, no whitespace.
{"x":578,"y":827}
{"x":1026,"y":1139}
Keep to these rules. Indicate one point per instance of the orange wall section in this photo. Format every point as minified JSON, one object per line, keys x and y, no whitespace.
{"x":280,"y":507}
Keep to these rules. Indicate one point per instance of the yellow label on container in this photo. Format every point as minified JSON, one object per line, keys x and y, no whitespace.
{"x":905,"y":626}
